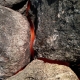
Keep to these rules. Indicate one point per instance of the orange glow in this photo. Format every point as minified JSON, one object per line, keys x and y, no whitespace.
{"x":32,"y":37}
{"x":31,"y":30}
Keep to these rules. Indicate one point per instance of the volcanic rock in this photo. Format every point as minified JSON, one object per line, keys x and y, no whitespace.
{"x":12,"y":3}
{"x":57,"y":29}
{"x":38,"y":70}
{"x":14,"y":42}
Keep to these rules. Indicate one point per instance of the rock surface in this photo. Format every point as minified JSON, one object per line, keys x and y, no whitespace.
{"x":38,"y":70}
{"x":11,"y":3}
{"x":14,"y":42}
{"x":57,"y":29}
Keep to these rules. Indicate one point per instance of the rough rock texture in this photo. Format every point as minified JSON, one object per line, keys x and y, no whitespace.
{"x":38,"y":70}
{"x":12,"y":3}
{"x":57,"y":29}
{"x":18,"y":5}
{"x":14,"y":42}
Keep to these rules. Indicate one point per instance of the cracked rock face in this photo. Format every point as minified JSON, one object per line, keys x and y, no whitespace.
{"x":58,"y":29}
{"x":14,"y":42}
{"x":38,"y":70}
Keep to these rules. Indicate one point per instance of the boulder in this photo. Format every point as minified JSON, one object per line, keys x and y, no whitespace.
{"x":38,"y":70}
{"x":57,"y":29}
{"x":14,"y":42}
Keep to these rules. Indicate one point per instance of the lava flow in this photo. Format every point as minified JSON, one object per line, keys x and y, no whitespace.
{"x":31,"y":30}
{"x":32,"y":37}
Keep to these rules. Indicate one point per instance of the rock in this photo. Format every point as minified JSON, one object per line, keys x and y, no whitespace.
{"x":14,"y":42}
{"x":57,"y":29}
{"x":38,"y":70}
{"x":12,"y":3}
{"x":18,"y":5}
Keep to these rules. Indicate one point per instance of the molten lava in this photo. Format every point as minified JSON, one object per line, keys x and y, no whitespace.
{"x":32,"y":37}
{"x":31,"y":30}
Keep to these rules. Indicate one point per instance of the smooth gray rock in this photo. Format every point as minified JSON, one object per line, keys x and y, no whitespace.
{"x":14,"y":42}
{"x":38,"y":70}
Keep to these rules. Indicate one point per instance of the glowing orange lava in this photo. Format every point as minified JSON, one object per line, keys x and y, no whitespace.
{"x":31,"y":30}
{"x":32,"y":37}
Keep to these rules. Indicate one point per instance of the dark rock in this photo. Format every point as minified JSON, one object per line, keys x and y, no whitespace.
{"x":14,"y":42}
{"x":57,"y":29}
